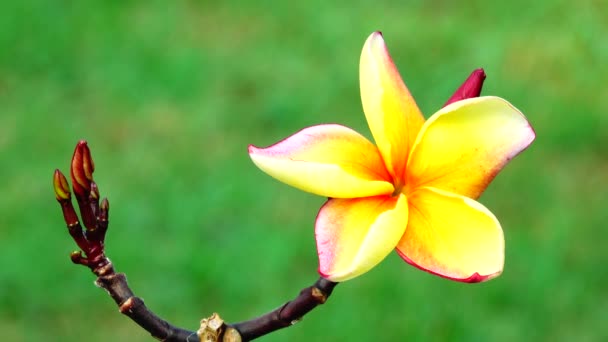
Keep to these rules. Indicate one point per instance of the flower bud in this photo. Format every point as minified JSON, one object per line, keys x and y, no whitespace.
{"x":470,"y":88}
{"x":61,"y":186}
{"x":82,"y":170}
{"x":104,"y":206}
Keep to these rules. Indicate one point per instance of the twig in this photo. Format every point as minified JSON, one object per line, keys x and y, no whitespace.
{"x":91,"y":241}
{"x":116,"y":286}
{"x":288,"y":314}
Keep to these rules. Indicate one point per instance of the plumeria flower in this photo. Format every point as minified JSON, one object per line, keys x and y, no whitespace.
{"x":415,"y":190}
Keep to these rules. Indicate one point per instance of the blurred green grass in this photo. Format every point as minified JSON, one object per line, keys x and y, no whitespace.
{"x":169,"y":94}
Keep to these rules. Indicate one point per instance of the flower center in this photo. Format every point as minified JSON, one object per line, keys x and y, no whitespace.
{"x":399,"y":185}
{"x":403,"y":185}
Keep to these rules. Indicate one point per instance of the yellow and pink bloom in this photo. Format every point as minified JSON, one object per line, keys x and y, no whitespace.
{"x":415,"y":190}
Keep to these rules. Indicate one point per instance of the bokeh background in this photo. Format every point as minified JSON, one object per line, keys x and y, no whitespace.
{"x":169,"y":95}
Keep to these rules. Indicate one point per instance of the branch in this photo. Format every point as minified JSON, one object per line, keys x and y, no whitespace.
{"x":288,"y":314}
{"x":116,"y":286}
{"x":91,"y":241}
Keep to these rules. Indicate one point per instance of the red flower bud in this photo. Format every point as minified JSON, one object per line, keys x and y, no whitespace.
{"x":82,"y":170}
{"x":104,"y":206}
{"x":470,"y":88}
{"x":61,"y":186}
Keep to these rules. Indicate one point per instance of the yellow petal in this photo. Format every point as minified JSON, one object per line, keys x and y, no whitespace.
{"x":327,"y":160}
{"x":452,"y":236}
{"x":354,"y":235}
{"x":462,"y":147}
{"x":392,"y":115}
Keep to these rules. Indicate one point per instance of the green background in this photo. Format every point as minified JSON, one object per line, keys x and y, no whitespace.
{"x":169,"y":95}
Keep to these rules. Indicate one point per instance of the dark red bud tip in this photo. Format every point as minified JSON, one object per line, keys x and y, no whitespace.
{"x":470,"y":88}
{"x":60,"y":184}
{"x":78,"y":258}
{"x":104,"y":213}
{"x":94,"y":191}
{"x":105,"y":205}
{"x":82,"y":169}
{"x":87,"y":162}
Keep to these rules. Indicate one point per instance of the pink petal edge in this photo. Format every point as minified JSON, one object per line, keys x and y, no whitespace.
{"x":474,"y":278}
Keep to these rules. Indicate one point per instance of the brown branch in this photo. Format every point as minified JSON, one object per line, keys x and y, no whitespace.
{"x":288,"y":314}
{"x":91,"y":241}
{"x":133,"y":307}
